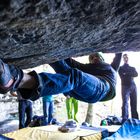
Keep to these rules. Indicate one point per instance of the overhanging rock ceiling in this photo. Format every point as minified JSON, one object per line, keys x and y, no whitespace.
{"x":35,"y":32}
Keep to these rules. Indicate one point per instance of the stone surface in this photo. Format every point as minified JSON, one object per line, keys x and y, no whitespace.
{"x":35,"y":32}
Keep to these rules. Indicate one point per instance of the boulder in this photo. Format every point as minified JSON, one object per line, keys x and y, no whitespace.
{"x":35,"y":32}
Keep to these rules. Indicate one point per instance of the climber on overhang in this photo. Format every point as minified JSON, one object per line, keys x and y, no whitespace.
{"x":90,"y":83}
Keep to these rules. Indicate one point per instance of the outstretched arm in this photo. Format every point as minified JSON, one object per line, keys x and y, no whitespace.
{"x":116,"y":61}
{"x":75,"y":64}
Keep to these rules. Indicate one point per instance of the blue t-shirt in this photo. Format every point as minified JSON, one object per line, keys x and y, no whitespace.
{"x":48,"y":98}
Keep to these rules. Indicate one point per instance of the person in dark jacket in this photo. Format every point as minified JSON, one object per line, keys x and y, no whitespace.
{"x":129,"y":89}
{"x":86,"y":82}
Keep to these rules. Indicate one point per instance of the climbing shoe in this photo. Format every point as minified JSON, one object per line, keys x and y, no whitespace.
{"x":10,"y":77}
{"x":6,"y":79}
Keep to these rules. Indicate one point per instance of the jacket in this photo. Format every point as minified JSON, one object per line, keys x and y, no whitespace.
{"x":127,"y":74}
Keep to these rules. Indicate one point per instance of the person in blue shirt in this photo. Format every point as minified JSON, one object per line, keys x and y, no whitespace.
{"x":129,"y":89}
{"x":48,"y":106}
{"x":90,"y":83}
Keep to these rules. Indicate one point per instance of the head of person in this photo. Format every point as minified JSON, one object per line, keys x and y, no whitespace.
{"x":125,"y":58}
{"x":96,"y":58}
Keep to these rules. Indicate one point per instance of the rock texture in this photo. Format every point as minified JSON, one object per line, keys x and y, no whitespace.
{"x":35,"y":32}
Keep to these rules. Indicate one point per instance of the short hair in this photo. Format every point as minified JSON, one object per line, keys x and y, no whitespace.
{"x":125,"y":54}
{"x":98,"y":55}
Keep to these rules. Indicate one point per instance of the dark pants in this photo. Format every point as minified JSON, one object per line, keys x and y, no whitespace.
{"x":25,"y":111}
{"x":48,"y":111}
{"x":129,"y":92}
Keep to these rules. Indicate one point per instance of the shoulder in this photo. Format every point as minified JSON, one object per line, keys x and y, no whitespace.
{"x":124,"y":66}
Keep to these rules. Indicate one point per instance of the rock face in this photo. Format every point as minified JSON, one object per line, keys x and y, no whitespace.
{"x":35,"y":32}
